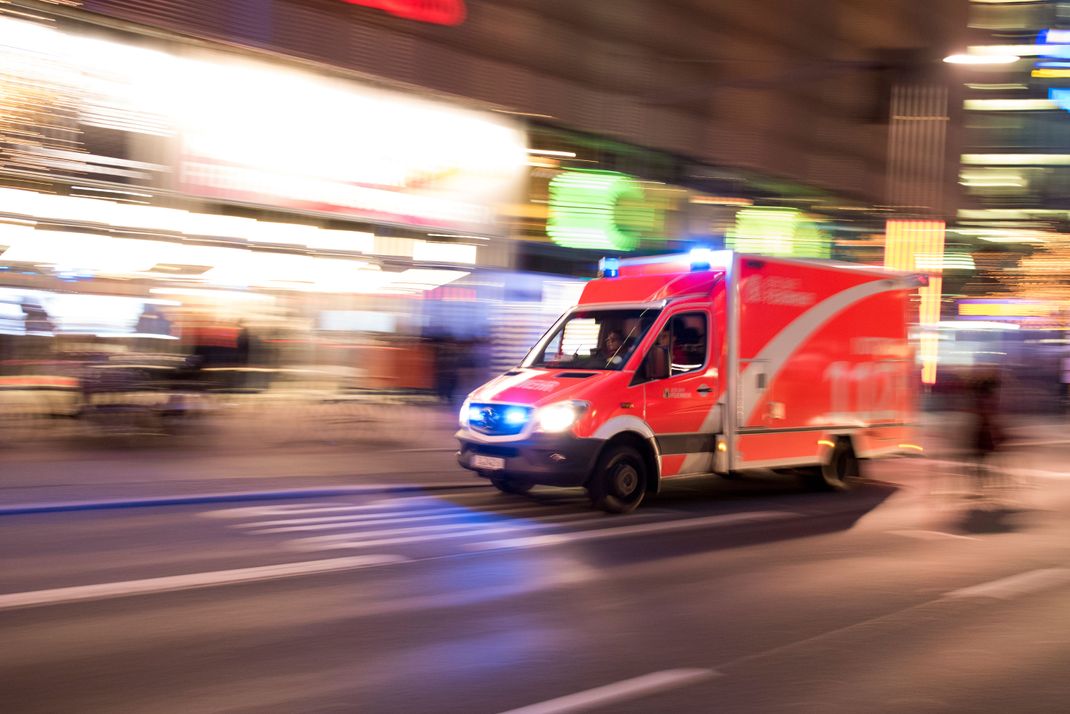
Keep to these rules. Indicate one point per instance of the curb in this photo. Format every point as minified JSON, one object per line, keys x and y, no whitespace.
{"x":193,"y":499}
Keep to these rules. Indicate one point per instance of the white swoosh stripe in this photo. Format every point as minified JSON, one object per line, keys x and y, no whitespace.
{"x":779,"y":349}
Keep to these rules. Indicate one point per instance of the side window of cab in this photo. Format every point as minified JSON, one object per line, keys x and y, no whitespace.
{"x":680,"y":347}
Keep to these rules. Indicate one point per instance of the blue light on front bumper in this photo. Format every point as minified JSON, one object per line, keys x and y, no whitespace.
{"x":514,"y":416}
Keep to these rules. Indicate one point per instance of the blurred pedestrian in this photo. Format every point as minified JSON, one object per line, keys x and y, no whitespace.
{"x":1064,"y":386}
{"x":448,"y":362}
{"x":986,"y":433}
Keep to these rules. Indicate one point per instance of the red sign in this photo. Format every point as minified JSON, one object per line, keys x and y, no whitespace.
{"x":436,"y":12}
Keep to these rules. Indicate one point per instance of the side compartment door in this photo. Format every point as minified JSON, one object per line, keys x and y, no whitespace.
{"x":679,"y":376}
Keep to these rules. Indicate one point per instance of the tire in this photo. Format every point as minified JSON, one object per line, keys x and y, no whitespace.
{"x":507,"y":485}
{"x":619,"y":481}
{"x":842,"y":471}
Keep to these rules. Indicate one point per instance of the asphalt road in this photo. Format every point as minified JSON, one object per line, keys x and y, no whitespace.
{"x":905,"y":595}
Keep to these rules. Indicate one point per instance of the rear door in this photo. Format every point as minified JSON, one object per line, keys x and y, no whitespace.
{"x":680,"y":382}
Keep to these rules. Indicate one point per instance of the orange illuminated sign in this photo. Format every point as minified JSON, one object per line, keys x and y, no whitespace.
{"x":435,"y":12}
{"x":1005,"y":308}
{"x":906,"y":241}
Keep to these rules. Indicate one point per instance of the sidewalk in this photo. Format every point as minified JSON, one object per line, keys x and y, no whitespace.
{"x":185,"y":468}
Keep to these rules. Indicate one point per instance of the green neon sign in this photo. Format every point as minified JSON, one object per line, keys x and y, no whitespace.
{"x":777,"y":231}
{"x":598,"y":210}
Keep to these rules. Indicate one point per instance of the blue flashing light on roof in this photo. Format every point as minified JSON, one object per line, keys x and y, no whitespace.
{"x":609,"y":268}
{"x":701,"y":258}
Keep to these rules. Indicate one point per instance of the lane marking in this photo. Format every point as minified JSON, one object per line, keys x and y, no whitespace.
{"x":932,"y":535}
{"x":474,"y":527}
{"x":541,"y":541}
{"x":1015,"y":585}
{"x":398,"y":517}
{"x":460,"y":520}
{"x":292,"y":509}
{"x":358,"y":539}
{"x":409,"y":503}
{"x":191,"y":581}
{"x":619,"y":691}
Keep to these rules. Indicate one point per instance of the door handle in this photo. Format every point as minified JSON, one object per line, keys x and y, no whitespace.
{"x":703,"y":389}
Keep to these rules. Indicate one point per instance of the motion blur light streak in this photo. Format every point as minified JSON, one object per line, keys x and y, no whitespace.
{"x":1009,"y":105}
{"x":428,"y":252}
{"x":50,"y":207}
{"x":1017,"y":159}
{"x":982,"y":59}
{"x":435,"y":12}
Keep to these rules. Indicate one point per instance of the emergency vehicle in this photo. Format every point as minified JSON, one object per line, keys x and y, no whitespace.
{"x":709,"y":363}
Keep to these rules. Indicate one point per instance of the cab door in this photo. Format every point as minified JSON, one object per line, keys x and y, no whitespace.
{"x":680,"y":383}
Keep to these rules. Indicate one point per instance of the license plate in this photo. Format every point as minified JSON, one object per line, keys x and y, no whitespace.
{"x":494,"y":463}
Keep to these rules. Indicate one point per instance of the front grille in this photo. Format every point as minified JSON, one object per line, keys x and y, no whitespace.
{"x":494,"y":419}
{"x":507,"y":452}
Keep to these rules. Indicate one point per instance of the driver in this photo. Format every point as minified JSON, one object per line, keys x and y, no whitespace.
{"x":611,"y":346}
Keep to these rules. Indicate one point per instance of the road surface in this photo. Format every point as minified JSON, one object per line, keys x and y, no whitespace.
{"x":905,"y":595}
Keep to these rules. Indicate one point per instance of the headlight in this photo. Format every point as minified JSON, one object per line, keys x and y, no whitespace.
{"x":559,"y":417}
{"x":464,"y":417}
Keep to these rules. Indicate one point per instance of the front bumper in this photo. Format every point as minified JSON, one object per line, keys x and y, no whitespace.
{"x":550,"y":459}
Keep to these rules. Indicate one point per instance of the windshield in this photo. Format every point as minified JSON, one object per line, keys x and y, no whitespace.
{"x":594,"y":339}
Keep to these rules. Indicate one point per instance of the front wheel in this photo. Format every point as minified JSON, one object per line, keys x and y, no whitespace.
{"x":619,"y":481}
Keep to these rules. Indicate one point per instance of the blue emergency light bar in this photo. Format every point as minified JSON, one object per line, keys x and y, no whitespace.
{"x":609,"y":268}
{"x":701,"y":258}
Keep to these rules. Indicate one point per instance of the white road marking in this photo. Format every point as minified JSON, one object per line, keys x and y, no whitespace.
{"x":393,"y":517}
{"x":473,"y":527}
{"x":540,"y":541}
{"x":190,"y":581}
{"x":931,"y":535}
{"x":462,"y":520}
{"x":360,"y":539}
{"x":291,"y":509}
{"x":407,"y":503}
{"x":619,"y":691}
{"x":1015,"y":585}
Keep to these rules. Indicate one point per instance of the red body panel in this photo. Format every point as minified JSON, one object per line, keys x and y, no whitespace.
{"x":850,"y":370}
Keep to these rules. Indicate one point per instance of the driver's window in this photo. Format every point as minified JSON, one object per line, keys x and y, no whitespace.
{"x":679,"y":348}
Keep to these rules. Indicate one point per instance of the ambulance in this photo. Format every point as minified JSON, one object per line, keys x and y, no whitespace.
{"x":710,"y":363}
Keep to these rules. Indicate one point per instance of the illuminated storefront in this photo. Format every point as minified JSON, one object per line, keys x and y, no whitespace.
{"x":154,"y":174}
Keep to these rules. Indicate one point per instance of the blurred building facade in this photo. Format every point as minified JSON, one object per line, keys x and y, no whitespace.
{"x":1009,"y":301}
{"x":418,"y":167}
{"x":777,"y":101}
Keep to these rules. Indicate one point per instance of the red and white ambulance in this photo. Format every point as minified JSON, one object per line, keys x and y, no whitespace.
{"x":709,"y":363}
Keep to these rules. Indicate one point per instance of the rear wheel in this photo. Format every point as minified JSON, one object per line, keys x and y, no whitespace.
{"x":840,"y":473}
{"x":507,"y":485}
{"x":619,"y":481}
